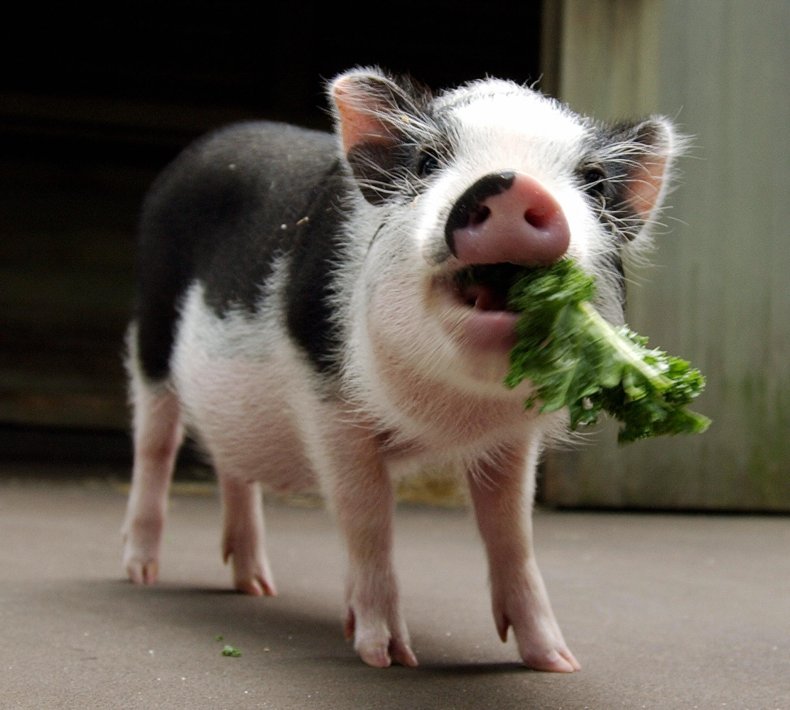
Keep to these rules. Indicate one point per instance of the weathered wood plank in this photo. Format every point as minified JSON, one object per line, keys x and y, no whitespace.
{"x":718,"y":292}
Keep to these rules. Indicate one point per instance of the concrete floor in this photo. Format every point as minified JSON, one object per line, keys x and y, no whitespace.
{"x":663,"y":611}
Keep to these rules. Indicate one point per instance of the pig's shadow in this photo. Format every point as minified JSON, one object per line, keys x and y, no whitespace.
{"x":312,"y":632}
{"x":471,"y":669}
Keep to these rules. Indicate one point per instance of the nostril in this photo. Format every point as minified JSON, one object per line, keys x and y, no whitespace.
{"x":479,"y":215}
{"x":537,"y":218}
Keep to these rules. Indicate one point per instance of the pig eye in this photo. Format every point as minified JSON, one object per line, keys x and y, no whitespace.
{"x":427,"y":163}
{"x":594,"y":178}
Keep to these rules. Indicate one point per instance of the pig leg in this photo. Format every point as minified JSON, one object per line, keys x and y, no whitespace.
{"x":157,"y":436}
{"x":502,"y":490}
{"x":363,"y":502}
{"x":243,"y":538}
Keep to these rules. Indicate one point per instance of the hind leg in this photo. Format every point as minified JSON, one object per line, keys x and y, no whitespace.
{"x":243,"y":537}
{"x":158,"y":434}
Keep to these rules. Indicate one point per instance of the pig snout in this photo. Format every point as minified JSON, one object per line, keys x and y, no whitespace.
{"x":507,"y":217}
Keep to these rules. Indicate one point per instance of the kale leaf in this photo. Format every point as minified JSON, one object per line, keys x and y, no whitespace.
{"x":576,"y":359}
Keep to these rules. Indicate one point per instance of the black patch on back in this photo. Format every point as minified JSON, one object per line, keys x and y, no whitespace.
{"x":221,"y":214}
{"x":315,"y":251}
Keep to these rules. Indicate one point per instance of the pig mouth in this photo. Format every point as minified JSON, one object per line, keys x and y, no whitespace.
{"x":487,"y":322}
{"x":485,"y":287}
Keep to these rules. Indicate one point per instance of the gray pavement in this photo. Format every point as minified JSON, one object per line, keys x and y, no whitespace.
{"x":663,"y":611}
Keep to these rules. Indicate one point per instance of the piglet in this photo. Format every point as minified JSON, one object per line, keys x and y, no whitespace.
{"x":330,"y":309}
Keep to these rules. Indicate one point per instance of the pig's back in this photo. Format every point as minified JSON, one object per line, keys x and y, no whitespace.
{"x":221,"y":214}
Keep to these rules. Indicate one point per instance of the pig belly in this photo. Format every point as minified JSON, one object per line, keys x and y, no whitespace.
{"x":236,"y":381}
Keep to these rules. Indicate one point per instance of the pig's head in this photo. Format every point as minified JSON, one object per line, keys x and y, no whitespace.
{"x":459,"y":191}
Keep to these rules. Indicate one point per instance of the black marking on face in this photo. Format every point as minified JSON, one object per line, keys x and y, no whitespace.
{"x":399,"y":168}
{"x":605,"y":179}
{"x":469,"y":208}
{"x":377,"y":167}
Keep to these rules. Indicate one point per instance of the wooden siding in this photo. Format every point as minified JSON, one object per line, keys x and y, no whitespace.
{"x":718,"y":292}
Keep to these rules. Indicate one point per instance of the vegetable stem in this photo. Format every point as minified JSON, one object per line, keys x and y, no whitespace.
{"x":625,"y":347}
{"x":574,"y":358}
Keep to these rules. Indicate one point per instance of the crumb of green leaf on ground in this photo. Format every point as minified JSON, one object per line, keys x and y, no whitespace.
{"x":576,"y":359}
{"x":231,"y":651}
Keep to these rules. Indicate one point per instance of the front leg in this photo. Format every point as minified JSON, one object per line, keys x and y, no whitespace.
{"x":502,"y":489}
{"x":360,"y":493}
{"x":243,"y":538}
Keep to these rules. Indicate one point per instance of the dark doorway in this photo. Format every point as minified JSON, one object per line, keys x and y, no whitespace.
{"x":94,"y":102}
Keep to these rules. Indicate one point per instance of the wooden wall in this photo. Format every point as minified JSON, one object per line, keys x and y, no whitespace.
{"x":718,"y":292}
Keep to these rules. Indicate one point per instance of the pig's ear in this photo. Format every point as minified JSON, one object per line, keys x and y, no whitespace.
{"x":373,"y":114}
{"x":655,"y":147}
{"x":370,"y":107}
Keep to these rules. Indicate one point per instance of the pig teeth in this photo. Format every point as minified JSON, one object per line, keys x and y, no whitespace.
{"x":472,"y":295}
{"x":485,"y":287}
{"x":483,"y":298}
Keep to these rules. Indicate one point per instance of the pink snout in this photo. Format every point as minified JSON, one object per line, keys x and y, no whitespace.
{"x":507,"y":217}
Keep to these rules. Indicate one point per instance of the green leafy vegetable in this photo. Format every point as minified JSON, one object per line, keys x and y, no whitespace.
{"x":231,"y":651}
{"x":576,"y":359}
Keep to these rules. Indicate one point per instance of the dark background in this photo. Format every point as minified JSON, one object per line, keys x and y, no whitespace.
{"x":94,"y":103}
